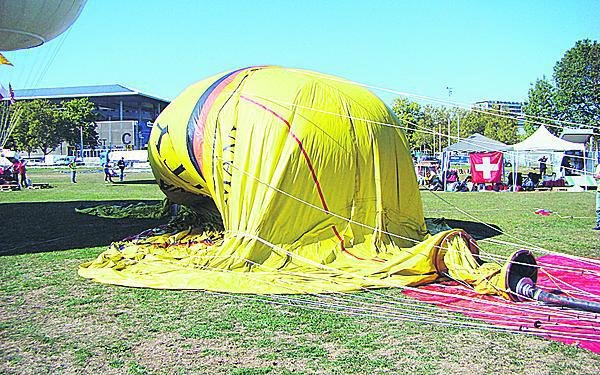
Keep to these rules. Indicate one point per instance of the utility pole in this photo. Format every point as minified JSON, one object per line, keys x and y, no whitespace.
{"x":434,"y":148}
{"x":449,"y":113}
{"x":445,"y":161}
{"x":81,"y":142}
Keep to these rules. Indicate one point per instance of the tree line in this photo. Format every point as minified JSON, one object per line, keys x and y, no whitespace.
{"x":573,"y":95}
{"x":423,"y":124}
{"x":43,"y":125}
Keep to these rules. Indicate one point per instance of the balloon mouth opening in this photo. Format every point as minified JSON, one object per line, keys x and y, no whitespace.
{"x":442,"y":247}
{"x":521,"y":266}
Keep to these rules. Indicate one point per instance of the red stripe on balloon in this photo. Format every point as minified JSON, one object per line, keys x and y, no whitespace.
{"x":310,"y":167}
{"x":299,"y":142}
{"x":201,"y":120}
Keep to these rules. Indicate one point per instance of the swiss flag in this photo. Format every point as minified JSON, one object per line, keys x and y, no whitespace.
{"x":486,"y":167}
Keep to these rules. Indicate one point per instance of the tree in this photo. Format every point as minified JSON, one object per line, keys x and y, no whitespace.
{"x":502,"y":129}
{"x":78,"y":115}
{"x":575,"y":93}
{"x":45,"y":125}
{"x":41,"y":127}
{"x":487,"y":123}
{"x":410,"y":115}
{"x":577,"y":77}
{"x":541,"y":103}
{"x":424,"y":123}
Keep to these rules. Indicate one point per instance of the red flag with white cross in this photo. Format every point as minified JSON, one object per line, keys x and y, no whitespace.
{"x":486,"y":167}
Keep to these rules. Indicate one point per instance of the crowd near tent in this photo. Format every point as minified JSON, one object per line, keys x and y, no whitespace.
{"x":315,"y":185}
{"x":542,"y":142}
{"x":476,"y":143}
{"x":529,"y":151}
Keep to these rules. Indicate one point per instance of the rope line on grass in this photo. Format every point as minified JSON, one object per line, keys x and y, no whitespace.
{"x":365,"y":278}
{"x":374,"y":310}
{"x":371,"y":280}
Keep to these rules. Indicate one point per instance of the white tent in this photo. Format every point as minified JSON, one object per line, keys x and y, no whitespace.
{"x":542,"y":140}
{"x":477,"y":143}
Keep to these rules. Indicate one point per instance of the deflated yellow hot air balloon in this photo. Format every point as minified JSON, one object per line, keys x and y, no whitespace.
{"x":315,"y":184}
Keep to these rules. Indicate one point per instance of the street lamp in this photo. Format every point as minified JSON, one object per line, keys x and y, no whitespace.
{"x":81,"y":142}
{"x":449,"y":114}
{"x":445,"y":161}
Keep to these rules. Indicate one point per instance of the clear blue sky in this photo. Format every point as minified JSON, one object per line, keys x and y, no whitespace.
{"x":483,"y":49}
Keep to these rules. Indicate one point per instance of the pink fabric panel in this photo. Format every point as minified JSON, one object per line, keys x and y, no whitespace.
{"x":577,"y":278}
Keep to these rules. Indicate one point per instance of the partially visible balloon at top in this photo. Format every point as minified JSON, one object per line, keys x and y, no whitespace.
{"x":31,"y":23}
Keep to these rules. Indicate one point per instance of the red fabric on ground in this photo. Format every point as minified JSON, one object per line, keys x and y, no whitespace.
{"x":577,"y":278}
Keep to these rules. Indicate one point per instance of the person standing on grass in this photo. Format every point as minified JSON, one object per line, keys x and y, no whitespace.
{"x":121,"y":165}
{"x":23,"y":174}
{"x":597,"y":177}
{"x":73,"y":169}
{"x":107,"y":172}
{"x":543,"y":166}
{"x":19,"y":173}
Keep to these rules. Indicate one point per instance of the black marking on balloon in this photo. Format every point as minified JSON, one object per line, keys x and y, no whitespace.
{"x":165,"y":186}
{"x":163,"y":131}
{"x":179,"y":170}
{"x":227,"y":167}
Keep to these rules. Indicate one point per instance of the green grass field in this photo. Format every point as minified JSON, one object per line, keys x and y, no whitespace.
{"x":53,"y":321}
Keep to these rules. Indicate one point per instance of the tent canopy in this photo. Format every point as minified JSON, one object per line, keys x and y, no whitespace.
{"x":477,"y":142}
{"x":577,"y":135}
{"x":543,"y":140}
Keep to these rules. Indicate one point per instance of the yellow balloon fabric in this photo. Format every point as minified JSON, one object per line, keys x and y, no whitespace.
{"x":315,"y":184}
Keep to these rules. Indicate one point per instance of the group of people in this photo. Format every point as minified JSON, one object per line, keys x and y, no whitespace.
{"x":432,"y":181}
{"x":108,"y":172}
{"x":15,"y":173}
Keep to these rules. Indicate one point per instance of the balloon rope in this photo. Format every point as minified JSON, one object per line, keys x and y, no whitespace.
{"x":402,"y":313}
{"x":491,"y":111}
{"x":349,"y":220}
{"x":418,"y":128}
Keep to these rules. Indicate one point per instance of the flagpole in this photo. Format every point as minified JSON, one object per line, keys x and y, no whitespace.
{"x":515,"y":167}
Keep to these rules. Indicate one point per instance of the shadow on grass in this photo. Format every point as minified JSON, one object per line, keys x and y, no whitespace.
{"x":135,"y":182}
{"x":55,"y":226}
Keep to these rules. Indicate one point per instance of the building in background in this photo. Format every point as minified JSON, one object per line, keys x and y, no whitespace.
{"x":507,"y":108}
{"x":125,"y":115}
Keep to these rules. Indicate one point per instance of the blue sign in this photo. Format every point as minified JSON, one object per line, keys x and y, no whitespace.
{"x":456,"y":159}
